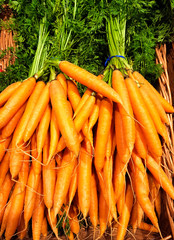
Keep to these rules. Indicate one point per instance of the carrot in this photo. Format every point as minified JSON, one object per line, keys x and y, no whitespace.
{"x":95,"y":113}
{"x":73,"y":94}
{"x":133,"y":217}
{"x":5,"y":216}
{"x":44,"y":229}
{"x":4,"y":194}
{"x":20,"y":129}
{"x":36,"y":157}
{"x":64,"y":175}
{"x":93,"y":210}
{"x":160,"y":127}
{"x":89,"y":80}
{"x":73,"y":220}
{"x":8,"y":91}
{"x":158,"y":203}
{"x":107,"y":175}
{"x":84,"y":176}
{"x":62,"y":79}
{"x":119,"y":85}
{"x":141,"y":188}
{"x":138,"y":162}
{"x":120,"y":169}
{"x":54,"y":135}
{"x":63,"y":116}
{"x":43,"y":129}
{"x":143,"y":116}
{"x":140,"y":142}
{"x":16,"y":100}
{"x":30,"y":196}
{"x":103,"y":128}
{"x":21,"y":230}
{"x":125,"y":215}
{"x":103,"y":213}
{"x":122,"y":147}
{"x":48,"y":175}
{"x":110,"y":200}
{"x":8,"y":129}
{"x":80,"y":120}
{"x":52,"y":221}
{"x":166,"y":105}
{"x":16,"y":160}
{"x":37,"y":113}
{"x":4,"y":144}
{"x":160,"y":175}
{"x":15,"y":211}
{"x":4,"y":167}
{"x":121,"y":200}
{"x":24,"y":171}
{"x":82,"y":101}
{"x":73,"y":184}
{"x":38,"y":214}
{"x":147,"y":227}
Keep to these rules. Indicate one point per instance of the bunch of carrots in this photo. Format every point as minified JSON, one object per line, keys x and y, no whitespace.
{"x":66,"y":157}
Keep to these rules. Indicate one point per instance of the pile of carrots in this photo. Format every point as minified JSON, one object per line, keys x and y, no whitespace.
{"x":65,"y":158}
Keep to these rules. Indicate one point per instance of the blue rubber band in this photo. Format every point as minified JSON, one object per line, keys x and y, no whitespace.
{"x":109,"y":58}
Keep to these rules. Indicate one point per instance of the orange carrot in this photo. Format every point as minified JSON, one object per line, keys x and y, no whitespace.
{"x":140,"y":142}
{"x":103,"y":213}
{"x":141,"y":188}
{"x":16,"y":159}
{"x":93,"y":210}
{"x":120,"y":169}
{"x":73,"y":183}
{"x":73,"y":220}
{"x":8,"y":91}
{"x":54,"y":135}
{"x":62,"y":79}
{"x":30,"y":196}
{"x":121,"y":200}
{"x":110,"y":200}
{"x":52,"y":221}
{"x":82,"y":101}
{"x":49,"y":176}
{"x":122,"y":147}
{"x":103,"y":128}
{"x":21,"y":230}
{"x":37,"y":113}
{"x":8,"y":129}
{"x":4,"y":194}
{"x":118,"y":84}
{"x":36,"y":158}
{"x":44,"y":229}
{"x":147,"y":227}
{"x":84,"y":176}
{"x":63,"y":116}
{"x":16,"y":100}
{"x":125,"y":215}
{"x":160,"y":127}
{"x":4,"y":144}
{"x":160,"y":175}
{"x":64,"y":174}
{"x":95,"y":113}
{"x":38,"y":214}
{"x":4,"y":167}
{"x":20,"y":129}
{"x":15,"y":211}
{"x":43,"y":128}
{"x":73,"y":94}
{"x":166,"y":105}
{"x":88,"y":79}
{"x":143,"y":116}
